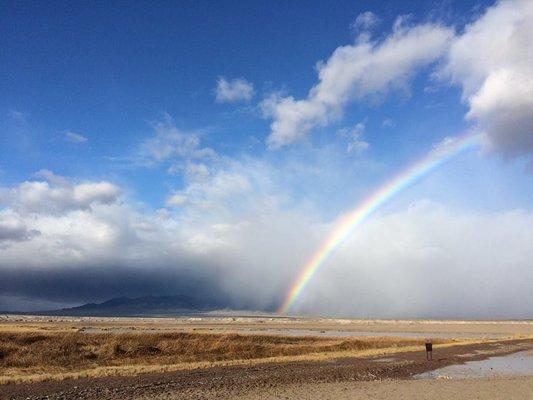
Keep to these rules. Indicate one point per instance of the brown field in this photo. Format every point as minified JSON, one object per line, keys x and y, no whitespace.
{"x":255,"y":357}
{"x":34,"y":348}
{"x":28,"y":356}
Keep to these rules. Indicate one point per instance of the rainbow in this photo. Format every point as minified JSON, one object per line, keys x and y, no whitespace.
{"x":351,"y":220}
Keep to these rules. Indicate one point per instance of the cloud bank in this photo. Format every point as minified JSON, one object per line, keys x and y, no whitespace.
{"x":431,"y":261}
{"x":238,"y":237}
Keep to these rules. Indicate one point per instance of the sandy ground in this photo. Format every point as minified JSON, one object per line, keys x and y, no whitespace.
{"x":358,"y":378}
{"x":516,"y":388}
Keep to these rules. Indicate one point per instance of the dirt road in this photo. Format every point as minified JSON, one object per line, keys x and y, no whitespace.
{"x":290,"y":380}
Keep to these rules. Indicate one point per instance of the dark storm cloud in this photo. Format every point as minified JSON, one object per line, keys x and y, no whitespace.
{"x":95,"y":284}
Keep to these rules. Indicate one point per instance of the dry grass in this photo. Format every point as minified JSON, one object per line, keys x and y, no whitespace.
{"x":40,"y":355}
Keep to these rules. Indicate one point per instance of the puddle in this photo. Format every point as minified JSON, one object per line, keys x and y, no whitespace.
{"x":517,"y":364}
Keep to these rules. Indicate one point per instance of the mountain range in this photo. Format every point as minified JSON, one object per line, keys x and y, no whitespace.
{"x":139,"y":306}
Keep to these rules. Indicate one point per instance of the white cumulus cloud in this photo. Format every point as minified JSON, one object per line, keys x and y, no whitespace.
{"x":238,"y":89}
{"x":355,"y":71}
{"x":57,"y":195}
{"x":493,"y":62}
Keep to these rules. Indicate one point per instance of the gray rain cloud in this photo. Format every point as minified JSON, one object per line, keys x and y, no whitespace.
{"x":244,"y":251}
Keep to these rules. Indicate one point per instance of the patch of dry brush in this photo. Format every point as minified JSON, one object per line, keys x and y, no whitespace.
{"x":27,"y":353}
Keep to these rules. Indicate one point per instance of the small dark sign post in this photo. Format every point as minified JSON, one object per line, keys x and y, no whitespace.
{"x":429,"y":351}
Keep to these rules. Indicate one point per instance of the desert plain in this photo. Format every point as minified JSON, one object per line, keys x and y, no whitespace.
{"x":262,"y":357}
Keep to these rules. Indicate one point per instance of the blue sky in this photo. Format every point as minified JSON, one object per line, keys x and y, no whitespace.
{"x":215,"y":116}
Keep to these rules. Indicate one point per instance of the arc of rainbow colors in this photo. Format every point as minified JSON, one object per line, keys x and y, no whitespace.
{"x":354,"y":218}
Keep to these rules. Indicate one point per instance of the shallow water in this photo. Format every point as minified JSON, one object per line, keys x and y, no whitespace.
{"x":340,"y":333}
{"x":517,"y":364}
{"x":312,"y":332}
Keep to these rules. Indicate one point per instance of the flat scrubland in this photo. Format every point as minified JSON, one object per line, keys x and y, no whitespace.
{"x":358,"y":376}
{"x":33,"y":356}
{"x":37,"y":348}
{"x":267,"y":324}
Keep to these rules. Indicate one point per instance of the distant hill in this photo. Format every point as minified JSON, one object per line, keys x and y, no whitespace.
{"x":140,"y":306}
